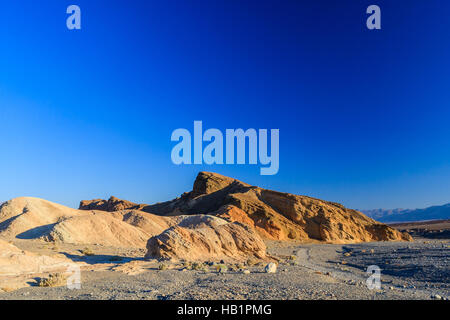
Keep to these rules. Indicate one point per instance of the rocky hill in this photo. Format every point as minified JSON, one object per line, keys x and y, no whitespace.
{"x":275,"y":215}
{"x":220,"y":219}
{"x":189,"y":237}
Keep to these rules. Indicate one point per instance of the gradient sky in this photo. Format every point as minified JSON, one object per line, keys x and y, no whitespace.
{"x":363,"y":115}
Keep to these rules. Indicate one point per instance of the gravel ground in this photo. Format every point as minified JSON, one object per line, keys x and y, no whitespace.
{"x":417,"y":270}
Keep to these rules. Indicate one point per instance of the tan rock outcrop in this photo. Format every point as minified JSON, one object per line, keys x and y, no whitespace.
{"x":277,"y":215}
{"x":221,"y":241}
{"x":220,"y":219}
{"x":147,"y":222}
{"x":14,"y":261}
{"x":112,"y":204}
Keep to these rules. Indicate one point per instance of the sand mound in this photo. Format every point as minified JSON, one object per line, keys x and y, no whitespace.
{"x":222,"y":241}
{"x":33,"y":218}
{"x":28,"y":218}
{"x":276,"y":215}
{"x":97,"y":228}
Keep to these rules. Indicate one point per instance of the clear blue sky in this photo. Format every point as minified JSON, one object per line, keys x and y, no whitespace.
{"x":363,"y":115}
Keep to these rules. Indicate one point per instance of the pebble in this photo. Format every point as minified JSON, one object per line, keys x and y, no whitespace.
{"x":271,"y":268}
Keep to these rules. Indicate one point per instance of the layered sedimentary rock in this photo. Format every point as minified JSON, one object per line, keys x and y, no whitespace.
{"x":197,"y":236}
{"x":14,"y":261}
{"x":96,"y":228}
{"x":220,"y":241}
{"x":276,"y":215}
{"x":221,"y":218}
{"x":32,"y":218}
{"x":112,"y":204}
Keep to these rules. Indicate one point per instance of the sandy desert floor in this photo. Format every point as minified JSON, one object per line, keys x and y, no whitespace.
{"x":416,"y":270}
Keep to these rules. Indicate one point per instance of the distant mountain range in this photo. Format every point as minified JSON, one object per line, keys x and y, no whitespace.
{"x":408,"y":215}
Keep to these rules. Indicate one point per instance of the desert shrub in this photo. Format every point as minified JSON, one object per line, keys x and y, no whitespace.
{"x":198,"y":266}
{"x":221,"y":268}
{"x":252,"y":262}
{"x":240,"y":266}
{"x":187,"y":265}
{"x":87,"y":252}
{"x":53,"y":280}
{"x":162,"y":266}
{"x":236,"y":267}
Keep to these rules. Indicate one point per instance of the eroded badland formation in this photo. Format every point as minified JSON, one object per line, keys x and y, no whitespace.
{"x":220,"y":219}
{"x":274,"y":215}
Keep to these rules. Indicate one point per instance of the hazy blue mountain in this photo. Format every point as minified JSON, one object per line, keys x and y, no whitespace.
{"x":407,"y":215}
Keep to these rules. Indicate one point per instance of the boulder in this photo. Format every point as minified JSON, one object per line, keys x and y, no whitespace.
{"x":270,"y":268}
{"x":222,"y":241}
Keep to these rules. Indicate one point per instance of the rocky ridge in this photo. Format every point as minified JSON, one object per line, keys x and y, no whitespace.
{"x":275,"y":215}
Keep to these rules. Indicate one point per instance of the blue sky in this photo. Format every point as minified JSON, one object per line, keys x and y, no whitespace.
{"x":363,"y":115}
